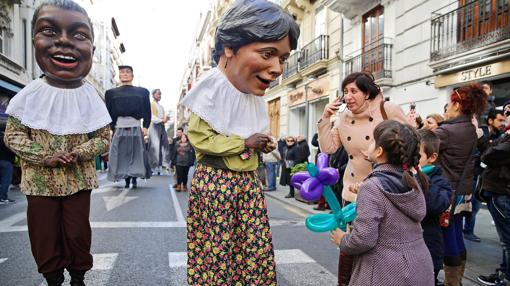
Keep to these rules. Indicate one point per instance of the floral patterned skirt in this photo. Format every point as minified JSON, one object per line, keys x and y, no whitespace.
{"x":229,"y":239}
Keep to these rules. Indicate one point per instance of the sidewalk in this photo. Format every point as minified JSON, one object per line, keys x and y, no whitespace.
{"x":483,"y":257}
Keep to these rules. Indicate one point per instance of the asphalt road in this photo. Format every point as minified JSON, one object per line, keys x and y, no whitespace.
{"x":139,"y":238}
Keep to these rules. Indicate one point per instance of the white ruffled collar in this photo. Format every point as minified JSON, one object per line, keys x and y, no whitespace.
{"x":227,"y":110}
{"x":59,"y":111}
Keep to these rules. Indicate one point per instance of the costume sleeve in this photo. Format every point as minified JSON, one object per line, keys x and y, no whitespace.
{"x":369,"y":214}
{"x":108,"y":102}
{"x":147,"y":114}
{"x":98,"y":144}
{"x":17,"y":138}
{"x":207,"y":141}
{"x":329,"y":137}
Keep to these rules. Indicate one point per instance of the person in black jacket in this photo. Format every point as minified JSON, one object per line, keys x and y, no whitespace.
{"x":437,"y":198}
{"x":128,"y":105}
{"x":492,"y":131}
{"x":6,"y":167}
{"x":496,"y":183}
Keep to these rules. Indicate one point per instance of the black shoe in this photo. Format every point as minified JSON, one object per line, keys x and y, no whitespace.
{"x":289,"y":196}
{"x":472,"y":237}
{"x":319,"y":208}
{"x":77,"y":277}
{"x":133,"y":183}
{"x":55,"y":278}
{"x":494,"y":279}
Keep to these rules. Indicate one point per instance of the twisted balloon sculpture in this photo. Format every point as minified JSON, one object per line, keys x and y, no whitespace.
{"x":313,"y":183}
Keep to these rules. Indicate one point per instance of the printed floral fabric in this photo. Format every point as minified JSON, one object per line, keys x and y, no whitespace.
{"x":229,"y":239}
{"x":33,"y":146}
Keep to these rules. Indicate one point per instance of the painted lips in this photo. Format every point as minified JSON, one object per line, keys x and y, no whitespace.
{"x":63,"y":61}
{"x":264,"y":83}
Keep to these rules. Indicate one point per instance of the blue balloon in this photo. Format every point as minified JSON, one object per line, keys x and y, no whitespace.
{"x":315,"y":182}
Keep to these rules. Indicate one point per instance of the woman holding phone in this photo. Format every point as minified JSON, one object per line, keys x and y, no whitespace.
{"x":353,"y":130}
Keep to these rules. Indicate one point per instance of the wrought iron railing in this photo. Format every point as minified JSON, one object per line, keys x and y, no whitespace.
{"x":274,"y":83}
{"x":377,"y":60}
{"x":315,"y":51}
{"x":291,"y":65}
{"x":473,"y":25}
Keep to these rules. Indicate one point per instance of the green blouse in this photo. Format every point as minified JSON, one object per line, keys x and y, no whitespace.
{"x":218,"y":150}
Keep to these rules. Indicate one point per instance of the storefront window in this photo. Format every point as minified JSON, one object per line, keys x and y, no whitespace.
{"x":373,"y":36}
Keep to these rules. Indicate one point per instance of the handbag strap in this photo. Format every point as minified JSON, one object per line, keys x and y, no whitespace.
{"x":383,"y":111}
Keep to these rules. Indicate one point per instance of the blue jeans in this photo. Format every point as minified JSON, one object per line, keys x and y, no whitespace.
{"x":271,"y":175}
{"x":5,"y":178}
{"x":469,"y":225}
{"x":499,"y":207}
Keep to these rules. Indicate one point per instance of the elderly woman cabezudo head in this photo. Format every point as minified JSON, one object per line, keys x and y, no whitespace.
{"x":253,"y":41}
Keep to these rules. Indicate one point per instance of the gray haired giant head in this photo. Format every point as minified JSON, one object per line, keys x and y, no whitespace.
{"x":250,"y":21}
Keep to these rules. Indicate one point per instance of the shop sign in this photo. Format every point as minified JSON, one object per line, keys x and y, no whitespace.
{"x":473,"y":74}
{"x":297,"y":96}
{"x":316,"y":89}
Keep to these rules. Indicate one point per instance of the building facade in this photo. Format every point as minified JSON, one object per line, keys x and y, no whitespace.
{"x":419,"y":51}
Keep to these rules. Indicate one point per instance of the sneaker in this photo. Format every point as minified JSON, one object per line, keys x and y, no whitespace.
{"x":6,"y":201}
{"x":472,"y":237}
{"x":493,"y":279}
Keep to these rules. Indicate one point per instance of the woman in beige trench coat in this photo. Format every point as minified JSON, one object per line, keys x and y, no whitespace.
{"x":353,"y":130}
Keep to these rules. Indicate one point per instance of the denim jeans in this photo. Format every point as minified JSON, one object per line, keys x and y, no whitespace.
{"x":469,"y":225}
{"x":499,"y":207}
{"x":5,"y":178}
{"x":271,"y":175}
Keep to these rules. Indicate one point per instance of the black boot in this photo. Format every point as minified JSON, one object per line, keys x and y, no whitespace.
{"x":127,"y":182}
{"x":133,"y":182}
{"x":77,"y":277}
{"x":55,"y":278}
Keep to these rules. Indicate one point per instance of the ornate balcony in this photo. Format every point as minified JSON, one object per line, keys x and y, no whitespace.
{"x":377,"y":60}
{"x":290,"y":73}
{"x":314,"y":55}
{"x":477,"y":24}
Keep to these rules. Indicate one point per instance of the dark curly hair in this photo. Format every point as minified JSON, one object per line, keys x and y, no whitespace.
{"x":64,"y":5}
{"x":364,"y":81}
{"x":401,"y":144}
{"x":471,"y":97}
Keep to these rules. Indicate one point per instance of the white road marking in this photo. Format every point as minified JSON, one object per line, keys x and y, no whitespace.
{"x":2,"y":260}
{"x":292,"y":265}
{"x":4,"y":228}
{"x":117,"y":201}
{"x":177,"y":206}
{"x":8,"y":222}
{"x":177,"y":259}
{"x":104,"y":261}
{"x":100,"y":273}
{"x":291,"y":256}
{"x":137,"y":224}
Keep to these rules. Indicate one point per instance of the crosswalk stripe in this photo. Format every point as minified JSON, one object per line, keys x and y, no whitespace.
{"x":104,"y":261}
{"x":177,"y":259}
{"x":100,"y":272}
{"x":291,"y":256}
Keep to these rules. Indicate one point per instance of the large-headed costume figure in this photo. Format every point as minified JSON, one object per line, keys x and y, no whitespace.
{"x":229,"y":239}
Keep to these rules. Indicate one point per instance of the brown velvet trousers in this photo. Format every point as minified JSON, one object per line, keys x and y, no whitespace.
{"x":59,"y":231}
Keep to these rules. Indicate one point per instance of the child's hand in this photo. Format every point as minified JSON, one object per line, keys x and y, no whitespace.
{"x":336,"y":236}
